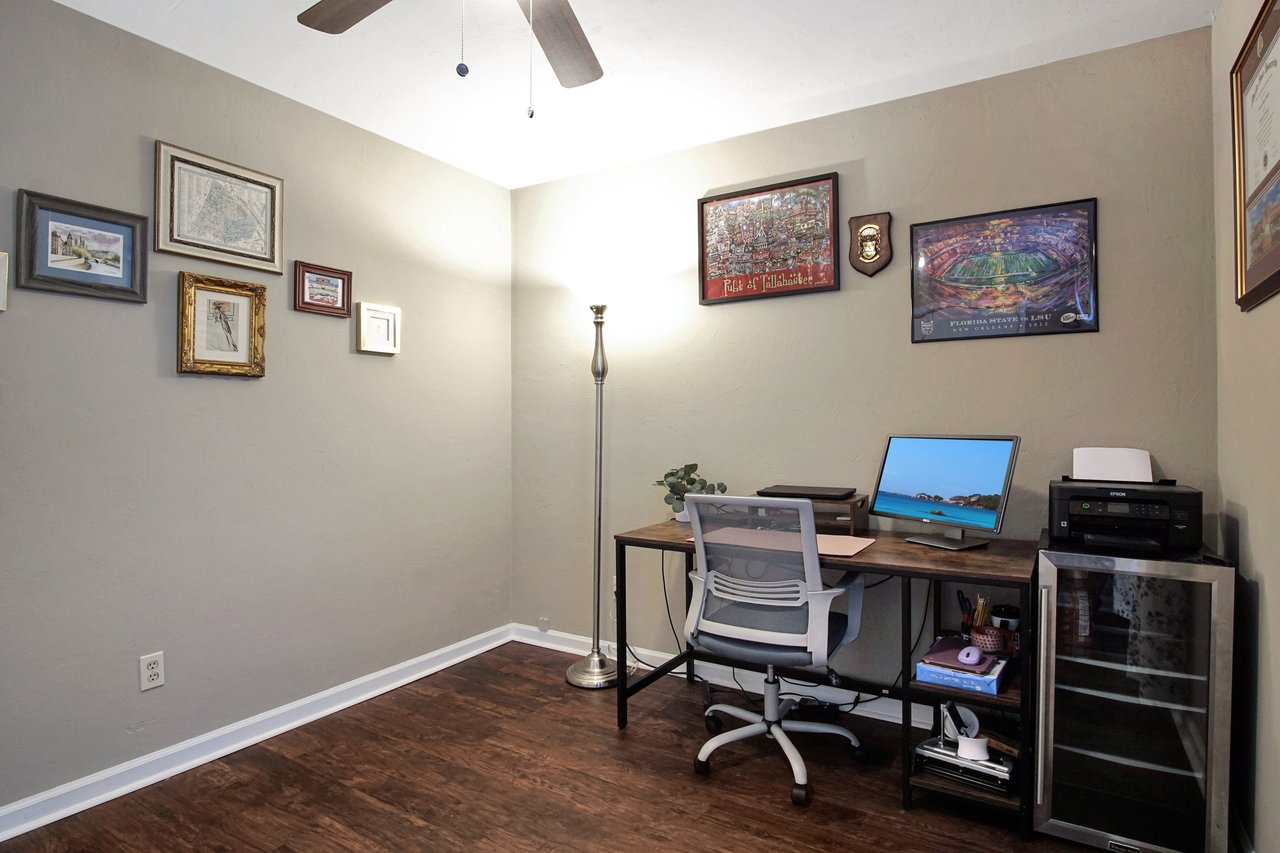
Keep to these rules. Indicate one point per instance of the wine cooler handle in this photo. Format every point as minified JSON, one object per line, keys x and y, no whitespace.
{"x":1041,"y":710}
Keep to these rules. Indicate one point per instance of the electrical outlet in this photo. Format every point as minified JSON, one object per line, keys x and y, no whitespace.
{"x":544,"y":623}
{"x":151,"y":670}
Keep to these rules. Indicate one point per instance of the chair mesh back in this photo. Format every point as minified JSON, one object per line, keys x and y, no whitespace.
{"x":753,"y":558}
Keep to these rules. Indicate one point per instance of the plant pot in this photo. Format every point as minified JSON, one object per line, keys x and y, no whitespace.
{"x":683,"y":516}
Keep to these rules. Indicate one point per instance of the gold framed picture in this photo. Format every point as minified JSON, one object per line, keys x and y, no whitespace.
{"x":378,"y":328}
{"x":222,"y":326}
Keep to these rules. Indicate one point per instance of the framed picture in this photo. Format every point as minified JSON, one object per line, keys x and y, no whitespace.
{"x":212,"y":209}
{"x":769,"y":241}
{"x":71,"y":247}
{"x":321,"y":290}
{"x":378,"y":328}
{"x":222,"y":326}
{"x":1031,"y":271}
{"x":4,"y":280}
{"x":1255,"y":110}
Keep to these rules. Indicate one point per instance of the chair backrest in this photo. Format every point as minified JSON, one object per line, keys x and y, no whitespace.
{"x":755,"y":570}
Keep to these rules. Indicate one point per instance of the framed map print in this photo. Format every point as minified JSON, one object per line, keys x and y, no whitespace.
{"x":212,"y":209}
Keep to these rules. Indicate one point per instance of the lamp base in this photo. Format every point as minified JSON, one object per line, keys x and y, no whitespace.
{"x":593,"y":672}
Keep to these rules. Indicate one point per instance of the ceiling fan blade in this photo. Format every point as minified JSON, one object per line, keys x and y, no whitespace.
{"x":563,"y":41}
{"x":338,"y":16}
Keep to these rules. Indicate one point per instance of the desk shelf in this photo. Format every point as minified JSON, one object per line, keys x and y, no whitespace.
{"x":843,"y":518}
{"x":933,"y":782}
{"x":1014,"y":701}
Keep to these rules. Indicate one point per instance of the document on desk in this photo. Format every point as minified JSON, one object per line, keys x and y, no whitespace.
{"x":829,"y":544}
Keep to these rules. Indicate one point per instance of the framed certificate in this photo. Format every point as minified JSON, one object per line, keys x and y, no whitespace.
{"x":1255,"y":125}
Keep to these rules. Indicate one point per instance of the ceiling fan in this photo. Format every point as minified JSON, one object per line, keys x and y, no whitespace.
{"x":555,"y":26}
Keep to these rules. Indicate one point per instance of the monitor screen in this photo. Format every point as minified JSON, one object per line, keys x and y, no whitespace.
{"x":957,"y":481}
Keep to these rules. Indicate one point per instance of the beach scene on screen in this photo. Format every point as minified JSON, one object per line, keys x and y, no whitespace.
{"x":944,"y":479}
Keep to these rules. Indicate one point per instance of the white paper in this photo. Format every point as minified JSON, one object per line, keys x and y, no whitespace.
{"x":1128,"y":464}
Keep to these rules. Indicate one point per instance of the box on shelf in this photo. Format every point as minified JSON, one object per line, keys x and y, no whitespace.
{"x":954,"y":678}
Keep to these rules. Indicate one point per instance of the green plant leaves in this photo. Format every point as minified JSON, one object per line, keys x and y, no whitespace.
{"x":684,"y":481}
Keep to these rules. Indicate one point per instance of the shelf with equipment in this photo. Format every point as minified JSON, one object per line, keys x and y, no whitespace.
{"x":846,"y":517}
{"x":1012,"y":707}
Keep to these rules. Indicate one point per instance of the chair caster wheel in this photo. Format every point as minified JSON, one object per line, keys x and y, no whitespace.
{"x":801,"y":795}
{"x":702,"y":768}
{"x":858,"y":753}
{"x":714,"y":724}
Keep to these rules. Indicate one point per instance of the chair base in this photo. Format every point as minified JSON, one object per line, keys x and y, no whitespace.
{"x":773,"y":724}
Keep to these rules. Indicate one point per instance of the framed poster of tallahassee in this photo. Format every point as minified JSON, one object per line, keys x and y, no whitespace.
{"x":1255,"y":125}
{"x":775,"y":240}
{"x":1030,"y":271}
{"x":212,"y":209}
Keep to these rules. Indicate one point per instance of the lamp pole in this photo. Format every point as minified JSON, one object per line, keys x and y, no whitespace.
{"x":595,"y":670}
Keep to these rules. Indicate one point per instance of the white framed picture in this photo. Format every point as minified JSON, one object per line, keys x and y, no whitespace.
{"x":4,"y":280}
{"x":378,"y":328}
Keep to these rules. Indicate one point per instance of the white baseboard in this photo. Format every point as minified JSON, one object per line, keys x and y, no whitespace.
{"x":39,"y":809}
{"x":47,"y":806}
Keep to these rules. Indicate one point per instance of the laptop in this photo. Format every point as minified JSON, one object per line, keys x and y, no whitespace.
{"x":813,"y":493}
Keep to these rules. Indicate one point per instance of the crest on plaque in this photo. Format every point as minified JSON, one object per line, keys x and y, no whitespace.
{"x":869,"y":247}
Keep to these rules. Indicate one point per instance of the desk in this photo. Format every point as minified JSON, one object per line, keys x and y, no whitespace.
{"x":1003,"y":563}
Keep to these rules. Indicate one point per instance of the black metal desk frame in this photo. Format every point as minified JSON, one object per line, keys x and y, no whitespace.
{"x":891,"y":559}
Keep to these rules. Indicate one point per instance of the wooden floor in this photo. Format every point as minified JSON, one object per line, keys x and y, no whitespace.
{"x":499,"y":753}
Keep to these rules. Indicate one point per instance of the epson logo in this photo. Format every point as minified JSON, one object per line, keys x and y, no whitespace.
{"x":1118,"y":494}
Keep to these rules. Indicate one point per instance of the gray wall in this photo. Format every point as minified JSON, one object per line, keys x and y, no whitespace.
{"x":805,"y":388}
{"x":1249,"y":469}
{"x":274,"y":537}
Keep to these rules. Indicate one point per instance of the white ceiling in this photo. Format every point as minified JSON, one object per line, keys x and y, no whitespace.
{"x":677,"y":73}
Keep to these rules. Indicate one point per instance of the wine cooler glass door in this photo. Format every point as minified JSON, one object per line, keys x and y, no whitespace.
{"x":1131,"y":718}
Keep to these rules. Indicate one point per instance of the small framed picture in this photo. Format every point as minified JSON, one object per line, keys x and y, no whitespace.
{"x":222,"y":326}
{"x":321,"y":290}
{"x":378,"y":328}
{"x":209,"y":208}
{"x":71,"y":247}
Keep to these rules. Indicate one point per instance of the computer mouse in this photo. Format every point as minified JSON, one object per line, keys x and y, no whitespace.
{"x":970,"y":655}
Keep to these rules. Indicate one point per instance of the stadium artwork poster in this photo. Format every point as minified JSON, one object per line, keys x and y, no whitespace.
{"x":1255,"y":136}
{"x":1030,"y":271}
{"x":775,"y":240}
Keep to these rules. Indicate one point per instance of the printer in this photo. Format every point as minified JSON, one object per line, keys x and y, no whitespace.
{"x":1147,"y":518}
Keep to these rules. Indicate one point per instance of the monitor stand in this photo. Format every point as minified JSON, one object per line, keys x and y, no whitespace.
{"x":952,"y":540}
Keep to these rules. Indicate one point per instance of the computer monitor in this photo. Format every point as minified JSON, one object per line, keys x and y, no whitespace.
{"x":960,"y":482}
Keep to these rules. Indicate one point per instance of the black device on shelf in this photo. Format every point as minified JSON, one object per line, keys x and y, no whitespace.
{"x":1147,"y":518}
{"x":813,"y":493}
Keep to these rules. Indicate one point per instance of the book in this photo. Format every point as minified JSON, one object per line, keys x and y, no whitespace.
{"x":945,"y":652}
{"x":988,"y":684}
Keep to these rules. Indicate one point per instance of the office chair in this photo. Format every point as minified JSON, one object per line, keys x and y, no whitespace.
{"x":758,"y":597}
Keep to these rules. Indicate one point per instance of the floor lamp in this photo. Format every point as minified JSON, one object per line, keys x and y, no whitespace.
{"x":595,"y":670}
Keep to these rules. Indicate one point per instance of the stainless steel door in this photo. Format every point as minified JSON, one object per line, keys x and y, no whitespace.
{"x":1134,"y":703}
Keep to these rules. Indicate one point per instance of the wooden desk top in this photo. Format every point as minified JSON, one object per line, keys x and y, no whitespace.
{"x":1003,"y":562}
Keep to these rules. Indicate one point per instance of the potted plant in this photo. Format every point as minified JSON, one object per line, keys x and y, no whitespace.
{"x":685,"y":481}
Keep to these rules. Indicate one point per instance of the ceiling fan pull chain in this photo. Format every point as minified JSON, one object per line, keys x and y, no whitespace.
{"x":531,"y":58}
{"x":462,"y":68}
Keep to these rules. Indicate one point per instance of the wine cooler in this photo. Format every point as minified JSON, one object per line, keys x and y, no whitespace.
{"x":1134,"y":702}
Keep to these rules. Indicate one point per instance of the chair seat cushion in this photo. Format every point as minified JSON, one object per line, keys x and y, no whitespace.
{"x":764,"y":653}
